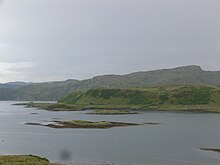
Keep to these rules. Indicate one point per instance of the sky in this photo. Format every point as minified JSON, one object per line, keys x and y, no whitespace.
{"x":47,"y":40}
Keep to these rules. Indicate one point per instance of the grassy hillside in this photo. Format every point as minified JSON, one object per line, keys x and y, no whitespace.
{"x":188,"y":75}
{"x":155,"y":97}
{"x":23,"y":160}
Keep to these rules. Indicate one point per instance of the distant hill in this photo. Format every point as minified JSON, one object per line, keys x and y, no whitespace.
{"x":13,"y":84}
{"x":187,"y":75}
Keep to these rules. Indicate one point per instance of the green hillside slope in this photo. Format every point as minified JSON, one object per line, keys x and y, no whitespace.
{"x":155,"y":97}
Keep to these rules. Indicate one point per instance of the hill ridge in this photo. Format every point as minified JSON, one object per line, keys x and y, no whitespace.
{"x":185,"y":75}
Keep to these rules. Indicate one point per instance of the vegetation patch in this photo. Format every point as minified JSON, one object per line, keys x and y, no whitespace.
{"x":52,"y":106}
{"x":191,"y":95}
{"x":111,"y":112}
{"x":85,"y":124}
{"x":24,"y":160}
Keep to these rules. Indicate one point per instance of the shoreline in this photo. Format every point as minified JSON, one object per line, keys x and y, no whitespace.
{"x":159,"y":108}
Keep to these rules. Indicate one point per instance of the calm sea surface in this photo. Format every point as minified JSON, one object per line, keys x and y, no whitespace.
{"x":174,"y":142}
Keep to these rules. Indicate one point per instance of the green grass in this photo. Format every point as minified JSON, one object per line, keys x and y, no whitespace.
{"x":23,"y":160}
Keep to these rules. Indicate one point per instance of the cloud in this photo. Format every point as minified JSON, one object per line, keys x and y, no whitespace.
{"x":2,"y":45}
{"x":81,"y":39}
{"x":14,"y":71}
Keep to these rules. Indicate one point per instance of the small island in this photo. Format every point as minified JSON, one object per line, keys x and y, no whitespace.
{"x":111,"y":112}
{"x":84,"y":124}
{"x":51,"y":106}
{"x":24,"y":160}
{"x":152,"y":123}
{"x":211,"y":149}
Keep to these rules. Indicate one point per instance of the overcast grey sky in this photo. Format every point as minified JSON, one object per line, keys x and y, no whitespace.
{"x":44,"y":40}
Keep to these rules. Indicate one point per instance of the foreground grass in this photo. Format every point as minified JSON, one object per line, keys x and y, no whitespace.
{"x":23,"y":160}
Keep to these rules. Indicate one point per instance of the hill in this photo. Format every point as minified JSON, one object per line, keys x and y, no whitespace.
{"x":13,"y":84}
{"x":187,"y":75}
{"x":173,"y":97}
{"x":176,"y":95}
